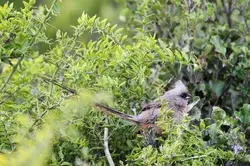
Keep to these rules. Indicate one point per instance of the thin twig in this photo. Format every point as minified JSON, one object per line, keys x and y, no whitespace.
{"x":194,"y":157}
{"x":193,"y":8}
{"x":51,"y":83}
{"x":189,"y":3}
{"x":106,"y":146}
{"x":41,"y":116}
{"x":12,"y":72}
{"x":58,"y":84}
{"x":37,"y":120}
{"x":7,"y":97}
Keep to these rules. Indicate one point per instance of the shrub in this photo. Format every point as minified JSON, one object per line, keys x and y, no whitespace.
{"x":216,"y":32}
{"x":46,"y":96}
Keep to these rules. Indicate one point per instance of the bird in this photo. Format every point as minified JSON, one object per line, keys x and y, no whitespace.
{"x":177,"y":100}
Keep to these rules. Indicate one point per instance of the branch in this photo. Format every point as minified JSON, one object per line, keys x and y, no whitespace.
{"x":12,"y":94}
{"x":228,"y":11}
{"x":36,"y":121}
{"x":228,"y":83}
{"x":46,"y":79}
{"x":51,"y":83}
{"x":195,"y":157}
{"x":189,"y":5}
{"x":106,"y":146}
{"x":12,"y":72}
{"x":224,"y":90}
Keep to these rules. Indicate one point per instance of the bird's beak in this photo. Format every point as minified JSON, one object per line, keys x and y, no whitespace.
{"x":189,"y":96}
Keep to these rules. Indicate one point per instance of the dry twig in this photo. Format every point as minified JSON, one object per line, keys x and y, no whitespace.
{"x":106,"y":146}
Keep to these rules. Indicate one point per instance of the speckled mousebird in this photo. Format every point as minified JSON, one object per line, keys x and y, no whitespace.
{"x":177,"y":100}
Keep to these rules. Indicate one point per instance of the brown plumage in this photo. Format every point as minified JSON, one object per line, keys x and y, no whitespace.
{"x":177,"y":99}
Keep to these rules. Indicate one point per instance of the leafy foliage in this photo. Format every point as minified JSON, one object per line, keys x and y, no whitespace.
{"x":216,"y":32}
{"x":46,"y":96}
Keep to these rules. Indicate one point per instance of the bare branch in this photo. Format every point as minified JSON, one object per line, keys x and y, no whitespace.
{"x":106,"y":146}
{"x":73,"y":91}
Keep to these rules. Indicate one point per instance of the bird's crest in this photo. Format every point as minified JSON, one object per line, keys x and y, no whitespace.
{"x":179,"y":85}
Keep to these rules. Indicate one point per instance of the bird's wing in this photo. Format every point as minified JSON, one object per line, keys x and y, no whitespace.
{"x":150,"y":105}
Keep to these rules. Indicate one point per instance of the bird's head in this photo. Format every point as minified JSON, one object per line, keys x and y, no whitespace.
{"x":180,"y":90}
{"x":178,"y":96}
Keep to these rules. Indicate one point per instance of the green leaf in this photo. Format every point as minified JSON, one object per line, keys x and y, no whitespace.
{"x":65,"y":163}
{"x":210,"y":9}
{"x":208,"y":48}
{"x":218,"y":44}
{"x":32,"y":2}
{"x":217,"y":87}
{"x":196,"y":99}
{"x":178,"y":55}
{"x":202,"y":87}
{"x":202,"y":124}
{"x":218,"y":114}
{"x":244,"y":114}
{"x":56,"y":8}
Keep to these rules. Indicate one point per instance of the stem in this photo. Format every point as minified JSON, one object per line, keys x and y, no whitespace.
{"x":2,"y":101}
{"x":36,"y":121}
{"x":54,"y":82}
{"x":194,"y":157}
{"x":51,"y":83}
{"x":189,"y":3}
{"x":228,"y":11}
{"x":106,"y":146}
{"x":11,"y":74}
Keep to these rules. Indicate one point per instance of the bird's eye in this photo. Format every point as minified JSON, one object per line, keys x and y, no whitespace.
{"x":185,"y":96}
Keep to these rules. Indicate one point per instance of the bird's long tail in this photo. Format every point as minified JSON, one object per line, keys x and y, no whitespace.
{"x":116,"y":113}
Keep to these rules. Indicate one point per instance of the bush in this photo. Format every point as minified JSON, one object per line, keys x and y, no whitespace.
{"x":216,"y":32}
{"x":46,"y":96}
